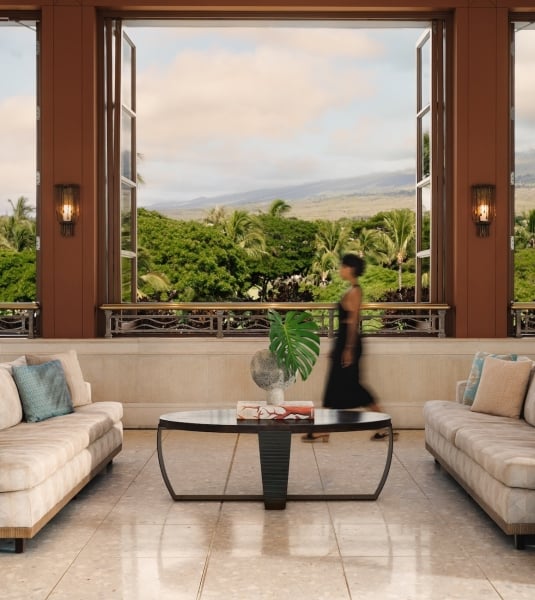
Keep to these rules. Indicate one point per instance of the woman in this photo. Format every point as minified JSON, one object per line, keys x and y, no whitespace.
{"x":343,"y":389}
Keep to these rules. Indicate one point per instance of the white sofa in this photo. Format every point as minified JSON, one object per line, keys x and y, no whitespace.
{"x":491,"y":456}
{"x":44,"y":464}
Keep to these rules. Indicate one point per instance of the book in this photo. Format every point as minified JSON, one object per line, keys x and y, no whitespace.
{"x":299,"y":410}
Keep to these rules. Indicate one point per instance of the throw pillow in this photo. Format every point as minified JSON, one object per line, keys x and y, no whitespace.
{"x":529,"y":403}
{"x":502,"y":387}
{"x":10,"y":407}
{"x":73,"y":374}
{"x":475,"y":374}
{"x":43,"y":391}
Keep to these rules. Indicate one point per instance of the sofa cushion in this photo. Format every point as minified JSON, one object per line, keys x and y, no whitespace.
{"x":502,"y":387}
{"x":447,"y":418}
{"x":475,"y":373}
{"x":43,"y":391}
{"x":31,"y":452}
{"x":505,"y":450}
{"x":73,"y":374}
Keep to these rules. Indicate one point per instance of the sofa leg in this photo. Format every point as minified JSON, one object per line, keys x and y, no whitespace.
{"x":519,"y":541}
{"x":19,"y":545}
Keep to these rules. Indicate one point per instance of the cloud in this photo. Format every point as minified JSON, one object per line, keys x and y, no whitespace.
{"x":17,"y":150}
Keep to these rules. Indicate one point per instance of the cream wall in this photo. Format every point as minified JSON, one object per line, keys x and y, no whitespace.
{"x":155,"y":376}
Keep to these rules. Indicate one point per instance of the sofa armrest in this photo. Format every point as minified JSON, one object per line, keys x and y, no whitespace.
{"x":459,"y":391}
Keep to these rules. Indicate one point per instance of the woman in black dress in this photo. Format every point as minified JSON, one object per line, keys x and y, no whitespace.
{"x":343,"y":389}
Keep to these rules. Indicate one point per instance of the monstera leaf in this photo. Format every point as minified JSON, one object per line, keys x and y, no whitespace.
{"x":295,"y":341}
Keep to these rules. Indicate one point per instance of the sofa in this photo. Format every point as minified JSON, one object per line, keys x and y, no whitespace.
{"x":486,"y":439}
{"x":53,"y":440}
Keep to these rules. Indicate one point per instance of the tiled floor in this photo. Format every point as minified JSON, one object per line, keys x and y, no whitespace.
{"x":123,"y":537}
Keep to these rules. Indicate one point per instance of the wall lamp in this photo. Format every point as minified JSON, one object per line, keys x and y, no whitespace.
{"x":483,"y":207}
{"x":67,"y":206}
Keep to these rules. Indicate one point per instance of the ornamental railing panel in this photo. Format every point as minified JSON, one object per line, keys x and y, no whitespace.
{"x":523,"y":319}
{"x":219,"y":320}
{"x":19,"y":319}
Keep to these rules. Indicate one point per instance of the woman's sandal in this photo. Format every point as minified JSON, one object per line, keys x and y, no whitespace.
{"x":315,"y":437}
{"x":383,"y":435}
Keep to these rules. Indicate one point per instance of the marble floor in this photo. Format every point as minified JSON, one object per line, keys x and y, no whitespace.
{"x":123,"y":536}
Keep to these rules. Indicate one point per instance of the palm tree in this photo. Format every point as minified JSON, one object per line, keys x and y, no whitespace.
{"x":17,"y":231}
{"x":331,"y":240}
{"x":246,"y":232}
{"x":22,"y":210}
{"x":396,"y":239}
{"x":278,"y":208}
{"x":216,"y":215}
{"x":365,"y":245}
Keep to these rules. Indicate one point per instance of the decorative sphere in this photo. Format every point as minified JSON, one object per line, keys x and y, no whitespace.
{"x":266,"y":373}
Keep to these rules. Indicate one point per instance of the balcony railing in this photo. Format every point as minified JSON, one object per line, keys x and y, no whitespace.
{"x":523,"y":314}
{"x":250,"y":318}
{"x":18,"y":319}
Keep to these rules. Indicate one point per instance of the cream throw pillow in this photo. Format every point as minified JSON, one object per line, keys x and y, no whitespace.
{"x":73,"y":374}
{"x":502,"y":387}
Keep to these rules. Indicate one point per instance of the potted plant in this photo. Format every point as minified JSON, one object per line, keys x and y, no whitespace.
{"x":294,"y":348}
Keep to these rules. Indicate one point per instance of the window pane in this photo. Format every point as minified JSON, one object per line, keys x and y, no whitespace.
{"x":425,"y":74}
{"x":126,"y":219}
{"x":126,"y":145}
{"x":126,"y":75}
{"x":425,"y":164}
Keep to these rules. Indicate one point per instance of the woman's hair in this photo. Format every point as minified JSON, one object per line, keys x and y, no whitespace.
{"x":354,"y":262}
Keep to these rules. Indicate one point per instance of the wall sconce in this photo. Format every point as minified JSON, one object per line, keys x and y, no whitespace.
{"x":67,"y":206}
{"x":483,"y":207}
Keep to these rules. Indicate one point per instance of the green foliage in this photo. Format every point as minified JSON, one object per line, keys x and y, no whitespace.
{"x":17,"y":276}
{"x":289,"y":251}
{"x":199,"y":261}
{"x":525,"y":275}
{"x":295,"y":341}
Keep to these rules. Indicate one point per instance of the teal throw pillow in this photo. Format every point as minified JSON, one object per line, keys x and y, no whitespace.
{"x":43,"y":391}
{"x":475,"y":374}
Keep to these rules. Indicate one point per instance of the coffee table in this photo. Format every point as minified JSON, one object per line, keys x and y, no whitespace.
{"x":274,"y":440}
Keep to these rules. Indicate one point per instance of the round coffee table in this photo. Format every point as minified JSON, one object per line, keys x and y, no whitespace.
{"x":274,"y":439}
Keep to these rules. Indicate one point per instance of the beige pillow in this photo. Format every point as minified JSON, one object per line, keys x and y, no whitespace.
{"x":502,"y":387}
{"x":73,"y":374}
{"x":529,"y":403}
{"x":10,"y":406}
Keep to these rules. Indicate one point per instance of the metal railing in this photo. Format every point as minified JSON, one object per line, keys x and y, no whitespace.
{"x":523,"y":316}
{"x":19,"y":319}
{"x":250,"y":318}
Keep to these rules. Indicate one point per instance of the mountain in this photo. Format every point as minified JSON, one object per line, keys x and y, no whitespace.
{"x":378,"y":185}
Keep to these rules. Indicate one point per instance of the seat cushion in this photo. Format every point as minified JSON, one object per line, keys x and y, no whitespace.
{"x":505,"y":450}
{"x":31,"y":452}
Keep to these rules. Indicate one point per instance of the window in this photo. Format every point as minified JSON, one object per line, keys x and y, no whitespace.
{"x":18,"y":158}
{"x":523,"y":178}
{"x":241,"y":114}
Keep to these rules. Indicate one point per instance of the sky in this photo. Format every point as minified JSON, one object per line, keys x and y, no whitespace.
{"x":237,"y":108}
{"x":230,"y":109}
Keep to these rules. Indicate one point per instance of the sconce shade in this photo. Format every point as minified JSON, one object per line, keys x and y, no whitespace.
{"x":67,"y":206}
{"x":483,"y":207}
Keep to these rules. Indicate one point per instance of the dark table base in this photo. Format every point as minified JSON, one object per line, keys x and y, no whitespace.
{"x":274,"y":449}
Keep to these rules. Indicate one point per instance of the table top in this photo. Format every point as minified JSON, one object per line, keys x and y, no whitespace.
{"x":225,"y":421}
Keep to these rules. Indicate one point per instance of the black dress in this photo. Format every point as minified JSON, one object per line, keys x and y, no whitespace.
{"x":343,"y":389}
